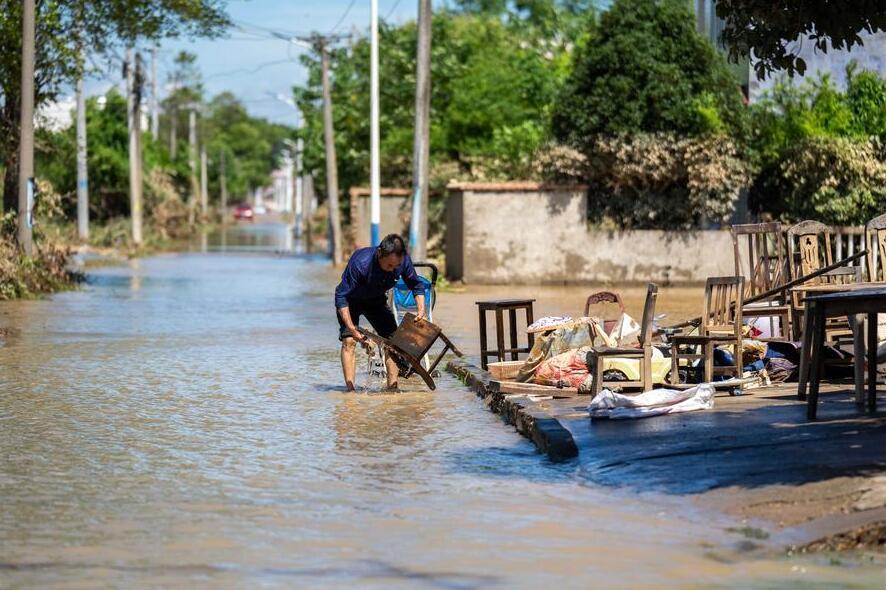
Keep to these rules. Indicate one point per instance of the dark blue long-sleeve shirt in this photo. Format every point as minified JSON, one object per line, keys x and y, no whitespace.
{"x":363,"y":278}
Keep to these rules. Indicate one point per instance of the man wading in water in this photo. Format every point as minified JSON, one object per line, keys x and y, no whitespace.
{"x":370,"y":274}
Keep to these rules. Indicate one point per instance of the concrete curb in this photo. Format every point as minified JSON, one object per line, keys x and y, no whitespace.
{"x":538,"y":426}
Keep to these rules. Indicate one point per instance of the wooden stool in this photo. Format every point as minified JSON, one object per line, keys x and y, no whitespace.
{"x":499,"y":307}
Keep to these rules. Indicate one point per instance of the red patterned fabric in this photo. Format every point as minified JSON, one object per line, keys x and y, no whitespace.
{"x":568,"y":368}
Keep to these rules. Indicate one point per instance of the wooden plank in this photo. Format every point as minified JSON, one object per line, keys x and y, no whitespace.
{"x":530,"y":388}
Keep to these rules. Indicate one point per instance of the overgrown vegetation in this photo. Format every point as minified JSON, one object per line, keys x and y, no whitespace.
{"x":47,"y":270}
{"x":819,"y":152}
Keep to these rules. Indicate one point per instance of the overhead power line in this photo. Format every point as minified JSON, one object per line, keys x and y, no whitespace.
{"x":343,"y":17}
{"x":391,"y":11}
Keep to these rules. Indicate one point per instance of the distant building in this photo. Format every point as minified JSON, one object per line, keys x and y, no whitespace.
{"x":870,"y":56}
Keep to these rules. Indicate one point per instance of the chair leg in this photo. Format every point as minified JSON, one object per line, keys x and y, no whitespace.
{"x":708,"y":362}
{"x":512,"y":317}
{"x":646,"y":361}
{"x":675,"y":364}
{"x":529,"y":320}
{"x":872,"y":362}
{"x":597,"y":384}
{"x":484,"y":344}
{"x":500,"y":334}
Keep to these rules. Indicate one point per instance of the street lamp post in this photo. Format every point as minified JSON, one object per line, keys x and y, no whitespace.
{"x":375,"y":164}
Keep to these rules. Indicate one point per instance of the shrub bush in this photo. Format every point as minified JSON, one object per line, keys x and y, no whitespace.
{"x":836,"y":180}
{"x":660,"y":181}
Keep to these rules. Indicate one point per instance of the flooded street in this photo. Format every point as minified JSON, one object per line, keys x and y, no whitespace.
{"x":179,"y":422}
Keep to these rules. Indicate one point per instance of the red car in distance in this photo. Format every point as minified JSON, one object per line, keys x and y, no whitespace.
{"x":244,"y":211}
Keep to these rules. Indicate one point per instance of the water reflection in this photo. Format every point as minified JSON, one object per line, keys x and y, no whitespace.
{"x":249,"y":237}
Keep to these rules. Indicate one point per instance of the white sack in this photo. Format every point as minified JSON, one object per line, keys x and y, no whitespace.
{"x":651,"y":403}
{"x":625,"y":331}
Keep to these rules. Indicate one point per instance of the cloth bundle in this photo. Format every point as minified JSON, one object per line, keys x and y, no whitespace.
{"x":568,"y":369}
{"x":656,"y":402}
{"x":580,"y":333}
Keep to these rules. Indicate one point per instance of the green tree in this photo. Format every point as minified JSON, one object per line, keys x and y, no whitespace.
{"x":818,"y":150}
{"x":645,"y":69}
{"x":494,"y":82}
{"x":97,"y":25}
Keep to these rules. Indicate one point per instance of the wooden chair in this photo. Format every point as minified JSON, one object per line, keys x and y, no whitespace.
{"x":766,"y":269}
{"x":602,"y":297}
{"x":720,"y":324}
{"x":596,"y":355}
{"x":875,"y":244}
{"x":809,"y":250}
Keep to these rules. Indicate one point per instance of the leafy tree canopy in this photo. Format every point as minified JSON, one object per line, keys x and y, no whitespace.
{"x":96,"y":26}
{"x":768,"y":27}
{"x":645,"y":69}
{"x":494,"y":81}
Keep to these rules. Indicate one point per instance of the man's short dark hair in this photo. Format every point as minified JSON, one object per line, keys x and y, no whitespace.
{"x":392,"y":244}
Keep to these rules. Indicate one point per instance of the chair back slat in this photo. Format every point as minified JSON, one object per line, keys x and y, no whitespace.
{"x":809,"y":248}
{"x":875,"y":242}
{"x":765,"y":256}
{"x":648,"y":314}
{"x":723,"y":299}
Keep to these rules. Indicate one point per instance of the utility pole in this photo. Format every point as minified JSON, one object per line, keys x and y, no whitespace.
{"x":82,"y":167}
{"x":204,"y":188}
{"x":331,"y":165}
{"x":26,"y":139}
{"x":308,"y":182}
{"x":155,"y":112}
{"x":299,"y":187}
{"x":287,"y":181}
{"x":374,"y":160}
{"x":134,"y":78}
{"x":223,"y":185}
{"x":192,"y":162}
{"x":418,"y":224}
{"x":173,"y":124}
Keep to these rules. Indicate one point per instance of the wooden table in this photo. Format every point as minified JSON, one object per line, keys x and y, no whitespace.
{"x":856,"y":322}
{"x":868,"y":301}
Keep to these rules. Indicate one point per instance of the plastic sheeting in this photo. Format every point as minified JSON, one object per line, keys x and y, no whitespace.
{"x":617,"y":406}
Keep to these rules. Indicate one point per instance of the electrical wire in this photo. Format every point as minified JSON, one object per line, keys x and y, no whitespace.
{"x":258,"y":68}
{"x":343,"y":17}
{"x":391,"y":11}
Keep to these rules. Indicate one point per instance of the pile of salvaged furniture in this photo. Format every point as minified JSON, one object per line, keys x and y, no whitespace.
{"x":793,"y":285}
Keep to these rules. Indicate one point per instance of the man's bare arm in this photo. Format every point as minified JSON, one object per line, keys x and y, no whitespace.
{"x":345,"y":314}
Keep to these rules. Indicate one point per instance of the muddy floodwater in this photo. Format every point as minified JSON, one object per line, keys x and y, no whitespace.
{"x":178,"y":423}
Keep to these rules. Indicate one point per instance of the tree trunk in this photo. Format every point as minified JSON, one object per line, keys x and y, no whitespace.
{"x":11,"y":115}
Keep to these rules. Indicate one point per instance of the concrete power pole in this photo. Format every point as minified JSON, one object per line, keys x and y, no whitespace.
{"x":173,"y":123}
{"x":82,"y":167}
{"x":374,"y":140}
{"x":299,"y":187}
{"x":331,"y":164}
{"x":192,"y":162}
{"x":308,"y":182}
{"x":418,"y":225}
{"x":155,"y":107}
{"x":26,"y":138}
{"x":134,"y":78}
{"x":204,"y":181}
{"x":223,"y":185}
